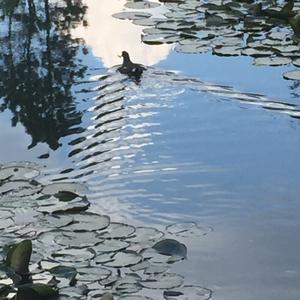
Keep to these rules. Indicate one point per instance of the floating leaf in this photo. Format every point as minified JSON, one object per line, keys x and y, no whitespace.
{"x":134,"y":297}
{"x":272,"y":61}
{"x":89,"y":222}
{"x":54,"y":188}
{"x":292,"y":75}
{"x":171,"y":247}
{"x":92,"y":273}
{"x":141,"y":5}
{"x":117,"y":231}
{"x":19,"y":171}
{"x":131,"y":15}
{"x":188,"y":229}
{"x":111,"y":246}
{"x":190,"y":292}
{"x":78,"y":239}
{"x":73,"y":255}
{"x":124,"y":259}
{"x":163,"y":281}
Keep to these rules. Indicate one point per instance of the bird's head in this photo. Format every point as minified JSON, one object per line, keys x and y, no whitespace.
{"x":125,"y":56}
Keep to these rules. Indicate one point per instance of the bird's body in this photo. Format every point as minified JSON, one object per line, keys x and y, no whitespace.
{"x":129,"y":68}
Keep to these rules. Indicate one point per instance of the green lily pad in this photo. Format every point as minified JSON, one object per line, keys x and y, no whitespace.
{"x":19,"y":171}
{"x":131,"y":15}
{"x":78,"y":239}
{"x":163,"y":281}
{"x":92,"y":274}
{"x":110,"y":246}
{"x":88,"y":222}
{"x":146,"y":236}
{"x":124,"y":259}
{"x":73,"y":255}
{"x":117,"y":231}
{"x":191,"y":292}
{"x":54,"y":188}
{"x":292,"y":75}
{"x":188,"y":229}
{"x":141,"y":5}
{"x":134,"y":297}
{"x":272,"y":61}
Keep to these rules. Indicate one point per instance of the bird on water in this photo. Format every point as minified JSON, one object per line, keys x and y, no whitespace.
{"x":131,"y":69}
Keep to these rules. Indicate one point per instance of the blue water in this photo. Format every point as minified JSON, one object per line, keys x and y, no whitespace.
{"x":183,"y":155}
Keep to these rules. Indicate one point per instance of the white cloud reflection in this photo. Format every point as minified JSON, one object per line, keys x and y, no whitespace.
{"x":108,"y":36}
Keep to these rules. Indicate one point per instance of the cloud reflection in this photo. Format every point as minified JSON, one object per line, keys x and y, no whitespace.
{"x":108,"y":36}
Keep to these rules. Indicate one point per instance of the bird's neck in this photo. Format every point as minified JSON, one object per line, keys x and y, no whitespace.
{"x":127,"y":61}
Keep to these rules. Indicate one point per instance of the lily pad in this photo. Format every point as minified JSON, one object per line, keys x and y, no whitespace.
{"x":272,"y":61}
{"x":134,"y":297}
{"x":78,"y":239}
{"x":171,"y":247}
{"x":92,"y":274}
{"x":73,"y":255}
{"x":146,"y":236}
{"x":190,"y":292}
{"x":142,"y":5}
{"x":124,"y":259}
{"x":188,"y":229}
{"x":88,"y":222}
{"x":131,"y":15}
{"x":292,"y":75}
{"x":163,"y":281}
{"x":19,"y":171}
{"x":111,"y":246}
{"x":54,"y":188}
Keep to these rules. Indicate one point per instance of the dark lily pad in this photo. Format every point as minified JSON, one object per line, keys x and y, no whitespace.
{"x":36,"y":292}
{"x":171,"y":247}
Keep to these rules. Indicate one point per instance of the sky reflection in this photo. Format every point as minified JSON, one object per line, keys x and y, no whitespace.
{"x":108,"y":36}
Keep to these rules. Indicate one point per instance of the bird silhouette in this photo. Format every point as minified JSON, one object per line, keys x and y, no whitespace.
{"x":131,"y":69}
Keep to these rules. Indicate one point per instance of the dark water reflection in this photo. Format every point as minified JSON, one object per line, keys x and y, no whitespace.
{"x":39,"y":67}
{"x":170,"y":149}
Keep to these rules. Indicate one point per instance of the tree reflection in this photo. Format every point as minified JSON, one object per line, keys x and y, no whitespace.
{"x":38,"y":66}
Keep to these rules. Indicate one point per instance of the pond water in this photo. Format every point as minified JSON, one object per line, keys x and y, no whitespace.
{"x":201,"y":138}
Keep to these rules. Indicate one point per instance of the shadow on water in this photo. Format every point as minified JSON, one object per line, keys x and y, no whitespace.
{"x":38,"y":67}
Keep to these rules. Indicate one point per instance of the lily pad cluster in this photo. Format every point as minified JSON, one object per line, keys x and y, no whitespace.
{"x":267,"y":32}
{"x":55,"y":248}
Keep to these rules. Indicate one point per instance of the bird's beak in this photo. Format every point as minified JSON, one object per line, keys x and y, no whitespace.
{"x":120,"y":56}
